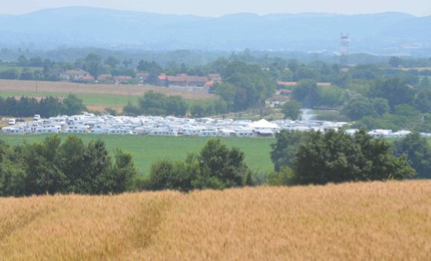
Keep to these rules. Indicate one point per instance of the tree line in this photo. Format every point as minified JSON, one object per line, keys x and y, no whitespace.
{"x":300,"y":158}
{"x":155,"y":103}
{"x":45,"y":107}
{"x":53,"y":166}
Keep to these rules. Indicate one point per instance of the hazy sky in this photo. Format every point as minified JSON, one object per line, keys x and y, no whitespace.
{"x":221,"y":7}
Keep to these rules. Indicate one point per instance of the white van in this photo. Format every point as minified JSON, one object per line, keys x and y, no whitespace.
{"x":11,"y":122}
{"x":36,"y":117}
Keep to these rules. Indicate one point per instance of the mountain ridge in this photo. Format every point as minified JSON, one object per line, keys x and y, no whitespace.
{"x":101,"y":27}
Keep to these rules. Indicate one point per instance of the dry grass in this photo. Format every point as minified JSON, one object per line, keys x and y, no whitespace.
{"x":363,"y":221}
{"x":67,"y":87}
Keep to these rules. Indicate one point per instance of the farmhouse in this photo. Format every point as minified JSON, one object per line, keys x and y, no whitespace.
{"x":122,"y":79}
{"x":186,"y":80}
{"x":105,"y":78}
{"x":74,"y":75}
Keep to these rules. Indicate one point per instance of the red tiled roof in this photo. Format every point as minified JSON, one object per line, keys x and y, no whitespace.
{"x":104,"y":77}
{"x":75,"y":72}
{"x":88,"y":78}
{"x":209,"y":83}
{"x":214,"y":77}
{"x":122,"y":78}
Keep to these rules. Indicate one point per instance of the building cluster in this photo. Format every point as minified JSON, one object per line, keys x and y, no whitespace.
{"x":182,"y":80}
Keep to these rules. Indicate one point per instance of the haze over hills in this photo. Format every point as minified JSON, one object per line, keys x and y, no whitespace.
{"x":384,"y":33}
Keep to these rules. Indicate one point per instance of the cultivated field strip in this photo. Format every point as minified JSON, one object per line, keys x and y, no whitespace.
{"x":361,"y":221}
{"x":31,"y":88}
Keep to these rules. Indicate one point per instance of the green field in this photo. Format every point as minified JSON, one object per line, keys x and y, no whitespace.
{"x":149,"y":149}
{"x":108,"y":100}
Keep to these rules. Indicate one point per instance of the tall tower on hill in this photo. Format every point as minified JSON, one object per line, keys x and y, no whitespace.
{"x":344,"y":49}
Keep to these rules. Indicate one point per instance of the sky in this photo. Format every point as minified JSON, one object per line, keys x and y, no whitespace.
{"x":216,"y":8}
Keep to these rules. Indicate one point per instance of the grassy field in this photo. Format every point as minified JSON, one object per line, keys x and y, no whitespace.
{"x":148,"y":149}
{"x":361,"y":221}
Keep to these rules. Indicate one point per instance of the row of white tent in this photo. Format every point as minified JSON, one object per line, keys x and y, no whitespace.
{"x":172,"y":126}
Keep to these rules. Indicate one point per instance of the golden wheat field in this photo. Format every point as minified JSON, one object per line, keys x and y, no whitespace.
{"x":362,"y":221}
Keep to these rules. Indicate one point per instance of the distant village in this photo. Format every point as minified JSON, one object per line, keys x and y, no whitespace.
{"x":179,"y":80}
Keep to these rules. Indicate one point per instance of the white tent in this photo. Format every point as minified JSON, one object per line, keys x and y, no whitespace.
{"x":264,"y":124}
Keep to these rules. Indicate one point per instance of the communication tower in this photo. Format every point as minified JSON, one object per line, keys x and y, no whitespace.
{"x":344,"y":49}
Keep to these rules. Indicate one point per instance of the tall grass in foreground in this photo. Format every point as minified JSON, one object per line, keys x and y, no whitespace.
{"x":361,"y":221}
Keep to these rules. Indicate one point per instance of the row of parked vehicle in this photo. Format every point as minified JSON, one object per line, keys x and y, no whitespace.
{"x":88,"y":123}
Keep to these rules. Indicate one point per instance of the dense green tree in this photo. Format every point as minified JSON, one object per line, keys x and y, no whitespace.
{"x":120,"y":178}
{"x":338,"y":157}
{"x":96,"y":162}
{"x":49,"y":107}
{"x":252,"y":84}
{"x":153,"y":103}
{"x":169,"y":175}
{"x":418,"y":152}
{"x":285,"y":148}
{"x":358,"y":107}
{"x":223,"y":163}
{"x":72,"y":105}
{"x":425,"y":83}
{"x":43,"y":175}
{"x":93,"y":64}
{"x":127,"y":62}
{"x":215,"y":167}
{"x":70,"y":157}
{"x":227,"y":92}
{"x":306,"y":92}
{"x":380,"y":106}
{"x":151,"y":67}
{"x":407,"y":111}
{"x":35,"y":62}
{"x":112,"y":62}
{"x":292,"y":109}
{"x":176,"y":106}
{"x":330,"y":97}
{"x":422,"y":101}
{"x":395,"y":90}
{"x":12,"y":176}
{"x":366,"y":72}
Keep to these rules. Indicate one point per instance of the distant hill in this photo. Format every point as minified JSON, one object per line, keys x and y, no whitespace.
{"x":83,"y":26}
{"x":355,"y":221}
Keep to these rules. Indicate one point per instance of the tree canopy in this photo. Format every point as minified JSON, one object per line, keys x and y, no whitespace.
{"x":53,"y":166}
{"x":215,"y":166}
{"x":249,"y":85}
{"x":338,"y":157}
